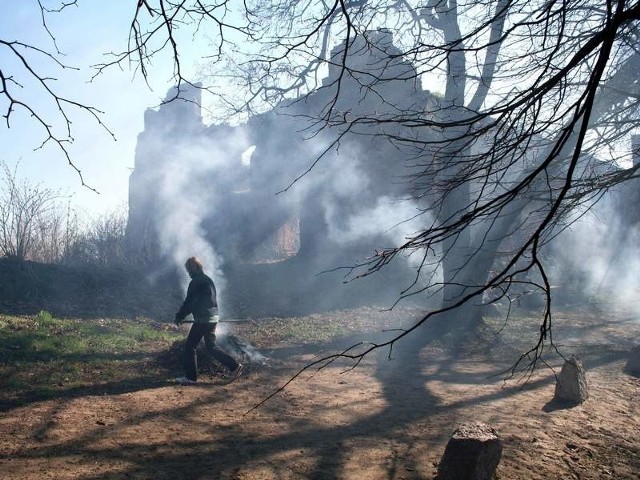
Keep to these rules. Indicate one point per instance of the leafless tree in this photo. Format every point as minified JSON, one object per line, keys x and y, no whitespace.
{"x":35,"y":225}
{"x":533,"y":93}
{"x":158,"y":26}
{"x":102,"y":242}
{"x":27,"y":86}
{"x":56,"y":230}
{"x":25,"y":210}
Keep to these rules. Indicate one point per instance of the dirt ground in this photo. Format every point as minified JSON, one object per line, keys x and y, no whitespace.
{"x":380,"y":420}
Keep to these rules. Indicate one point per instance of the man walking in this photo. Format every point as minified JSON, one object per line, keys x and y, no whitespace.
{"x":201,"y":302}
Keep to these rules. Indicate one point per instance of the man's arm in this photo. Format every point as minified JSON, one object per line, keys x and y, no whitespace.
{"x":187,"y":305}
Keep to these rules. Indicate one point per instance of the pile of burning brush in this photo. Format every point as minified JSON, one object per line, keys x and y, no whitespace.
{"x":207,"y":365}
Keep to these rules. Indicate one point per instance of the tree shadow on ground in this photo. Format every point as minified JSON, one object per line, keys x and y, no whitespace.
{"x":211,"y":460}
{"x":408,"y":401}
{"x":38,"y":393}
{"x":216,"y":459}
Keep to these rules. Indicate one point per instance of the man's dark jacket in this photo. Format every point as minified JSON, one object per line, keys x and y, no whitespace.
{"x":200,"y":301}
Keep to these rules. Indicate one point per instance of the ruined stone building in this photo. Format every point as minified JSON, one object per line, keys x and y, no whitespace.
{"x":273,"y":236}
{"x":280,"y":209}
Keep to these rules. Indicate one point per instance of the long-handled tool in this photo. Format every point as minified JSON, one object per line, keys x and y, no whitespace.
{"x":237,"y":320}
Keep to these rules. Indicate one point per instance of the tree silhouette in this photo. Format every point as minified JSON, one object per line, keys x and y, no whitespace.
{"x":535,"y":94}
{"x":27,"y":86}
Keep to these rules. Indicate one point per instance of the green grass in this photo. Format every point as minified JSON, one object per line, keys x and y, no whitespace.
{"x":45,"y":337}
{"x":45,"y":357}
{"x":42,"y":356}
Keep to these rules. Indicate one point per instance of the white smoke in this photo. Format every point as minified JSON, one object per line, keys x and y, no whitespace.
{"x":599,"y":254}
{"x":358,"y":207}
{"x":185,"y":201}
{"x":394,"y":219}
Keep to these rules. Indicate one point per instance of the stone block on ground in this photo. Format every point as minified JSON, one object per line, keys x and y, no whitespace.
{"x":472,"y":453}
{"x":571,"y":383}
{"x":633,"y":362}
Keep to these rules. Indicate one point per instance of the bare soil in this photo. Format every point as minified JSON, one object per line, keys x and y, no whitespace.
{"x":381,"y":420}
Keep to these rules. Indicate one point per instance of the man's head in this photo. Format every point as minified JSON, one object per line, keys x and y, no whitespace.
{"x":193,"y":266}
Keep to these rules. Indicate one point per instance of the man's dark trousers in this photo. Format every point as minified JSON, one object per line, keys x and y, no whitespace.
{"x":197,"y":332}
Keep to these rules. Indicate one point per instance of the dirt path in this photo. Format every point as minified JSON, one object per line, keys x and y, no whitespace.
{"x":367,"y":423}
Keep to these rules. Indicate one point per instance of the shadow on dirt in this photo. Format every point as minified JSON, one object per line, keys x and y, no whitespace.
{"x":408,"y":403}
{"x":140,"y":378}
{"x":403,"y":387}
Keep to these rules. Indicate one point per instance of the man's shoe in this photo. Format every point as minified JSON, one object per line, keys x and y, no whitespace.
{"x":185,"y":381}
{"x":237,"y":372}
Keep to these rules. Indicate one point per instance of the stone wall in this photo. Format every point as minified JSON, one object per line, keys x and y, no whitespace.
{"x":242,"y":214}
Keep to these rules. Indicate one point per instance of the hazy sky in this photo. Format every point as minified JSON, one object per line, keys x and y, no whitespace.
{"x":84,"y":33}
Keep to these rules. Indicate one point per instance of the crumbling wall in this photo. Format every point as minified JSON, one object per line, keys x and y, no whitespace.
{"x":252,"y":216}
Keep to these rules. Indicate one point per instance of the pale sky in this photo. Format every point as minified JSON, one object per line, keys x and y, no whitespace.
{"x":84,"y":34}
